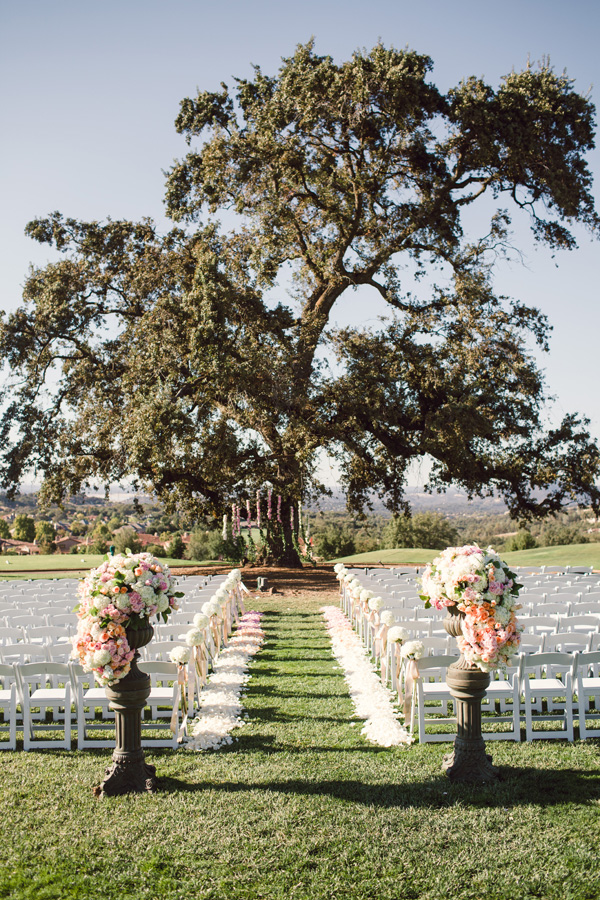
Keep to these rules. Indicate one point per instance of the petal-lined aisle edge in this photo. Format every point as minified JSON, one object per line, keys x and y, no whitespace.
{"x":373,"y":702}
{"x":220,"y":701}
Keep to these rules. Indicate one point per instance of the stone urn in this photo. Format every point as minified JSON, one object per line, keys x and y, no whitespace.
{"x":129,"y":773}
{"x":468,"y":761}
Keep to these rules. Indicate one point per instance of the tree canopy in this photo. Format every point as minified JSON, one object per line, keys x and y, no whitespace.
{"x":203,"y":361}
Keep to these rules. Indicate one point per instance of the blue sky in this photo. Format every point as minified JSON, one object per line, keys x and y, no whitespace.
{"x":90,"y":92}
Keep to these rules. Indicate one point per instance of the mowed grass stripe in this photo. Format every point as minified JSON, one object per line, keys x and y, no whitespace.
{"x":300,"y":806}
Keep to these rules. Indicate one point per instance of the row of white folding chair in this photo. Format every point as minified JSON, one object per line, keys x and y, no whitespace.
{"x":54,"y":686}
{"x":88,"y":698}
{"x":543,"y":608}
{"x":26,"y":620}
{"x":24,"y":652}
{"x":544,"y":667}
{"x":37,"y":634}
{"x":588,"y":624}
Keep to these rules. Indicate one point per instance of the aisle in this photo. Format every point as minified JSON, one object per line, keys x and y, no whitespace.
{"x":301,"y":807}
{"x":297,"y":695}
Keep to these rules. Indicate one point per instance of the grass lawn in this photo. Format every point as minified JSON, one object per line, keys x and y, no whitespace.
{"x":300,"y":806}
{"x":568,"y":555}
{"x":13,"y":568}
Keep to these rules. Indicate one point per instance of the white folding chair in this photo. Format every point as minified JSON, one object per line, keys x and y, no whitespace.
{"x":61,"y":652}
{"x":586,"y":607}
{"x":8,"y":706}
{"x":588,"y":689}
{"x":432,"y":689}
{"x":46,"y":634}
{"x":505,"y":689}
{"x":28,"y":620}
{"x":163,"y":700}
{"x":158,"y":650}
{"x":89,"y":698}
{"x":539,"y":624}
{"x":33,"y":680}
{"x":531,"y":643}
{"x":438,"y":645}
{"x":567,"y":642}
{"x":558,"y":693}
{"x":10,"y":634}
{"x":551,"y":608}
{"x":582,"y":624}
{"x":174,"y":631}
{"x":22,"y":652}
{"x":62,"y":619}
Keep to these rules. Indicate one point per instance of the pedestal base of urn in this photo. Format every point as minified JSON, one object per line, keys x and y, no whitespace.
{"x":132,"y":777}
{"x":468,"y":761}
{"x":470,"y":764}
{"x":129,"y":773}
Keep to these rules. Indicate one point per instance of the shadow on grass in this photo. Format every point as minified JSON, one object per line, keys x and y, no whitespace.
{"x":517,"y":787}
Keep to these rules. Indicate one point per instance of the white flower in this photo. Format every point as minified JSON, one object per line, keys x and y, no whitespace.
{"x":375,"y":604}
{"x":502,"y":615}
{"x":397,"y":634}
{"x":180,"y":655}
{"x":121,"y":601}
{"x":387,"y":617}
{"x":100,"y":658}
{"x":194,"y":638}
{"x":200,"y":620}
{"x":365,"y":595}
{"x":413,"y":650}
{"x":162,"y":602}
{"x":101,"y":602}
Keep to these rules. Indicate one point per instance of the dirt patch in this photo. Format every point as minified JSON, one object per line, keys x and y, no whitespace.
{"x":279,"y":580}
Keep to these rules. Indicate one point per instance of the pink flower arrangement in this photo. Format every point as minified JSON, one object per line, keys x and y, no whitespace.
{"x":122,"y":590}
{"x":480,"y":585}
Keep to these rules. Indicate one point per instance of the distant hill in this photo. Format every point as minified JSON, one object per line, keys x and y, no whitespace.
{"x":453,"y":502}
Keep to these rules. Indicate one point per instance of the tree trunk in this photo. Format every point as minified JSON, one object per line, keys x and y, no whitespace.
{"x":280,"y":536}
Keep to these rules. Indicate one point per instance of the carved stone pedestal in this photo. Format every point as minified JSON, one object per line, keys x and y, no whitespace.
{"x":129,"y":773}
{"x":468,"y":761}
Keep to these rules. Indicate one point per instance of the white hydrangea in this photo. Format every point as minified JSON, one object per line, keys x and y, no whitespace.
{"x":200,"y":620}
{"x":194,"y":637}
{"x":180,"y":655}
{"x":375,"y":604}
{"x":102,"y":601}
{"x":162,"y":602}
{"x":413,"y":650}
{"x":387,"y":617}
{"x":397,"y":635}
{"x":502,"y":615}
{"x":100,"y":658}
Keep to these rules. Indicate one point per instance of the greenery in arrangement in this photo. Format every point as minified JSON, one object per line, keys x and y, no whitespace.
{"x":212,"y":381}
{"x":301,"y":806}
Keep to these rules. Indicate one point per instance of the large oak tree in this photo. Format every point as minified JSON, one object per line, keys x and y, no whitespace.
{"x":203,"y":362}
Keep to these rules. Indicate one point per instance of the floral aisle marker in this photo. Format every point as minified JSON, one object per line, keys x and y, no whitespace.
{"x":480,"y":585}
{"x":480,"y":594}
{"x":372,"y":701}
{"x":220,"y":701}
{"x":124,"y":591}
